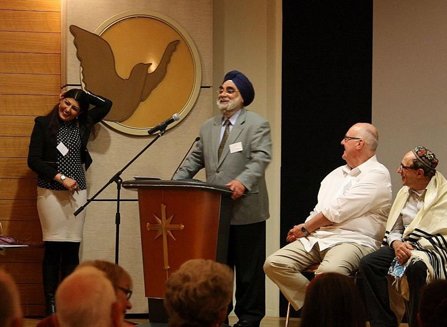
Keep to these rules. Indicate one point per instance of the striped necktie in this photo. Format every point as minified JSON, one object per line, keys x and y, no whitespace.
{"x":227,"y":124}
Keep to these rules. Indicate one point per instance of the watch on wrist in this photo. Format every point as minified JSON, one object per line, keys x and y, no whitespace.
{"x":63,"y":177}
{"x":305,"y":231}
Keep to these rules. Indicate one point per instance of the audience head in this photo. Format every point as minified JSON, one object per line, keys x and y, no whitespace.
{"x":360,"y":144}
{"x":198,"y":293}
{"x":120,"y":279}
{"x":332,"y":300}
{"x":10,"y":308}
{"x":86,"y":298}
{"x":417,"y":167}
{"x":433,"y":305}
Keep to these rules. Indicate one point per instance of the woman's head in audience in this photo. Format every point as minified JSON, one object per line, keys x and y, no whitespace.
{"x":433,"y":306}
{"x":120,"y":279}
{"x":198,"y":294}
{"x":332,"y":300}
{"x":10,"y":308}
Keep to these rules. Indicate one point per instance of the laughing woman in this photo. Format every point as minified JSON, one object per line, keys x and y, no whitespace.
{"x":58,"y":154}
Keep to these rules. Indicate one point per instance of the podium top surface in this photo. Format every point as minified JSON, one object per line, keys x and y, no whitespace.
{"x":10,"y":246}
{"x":187,"y":183}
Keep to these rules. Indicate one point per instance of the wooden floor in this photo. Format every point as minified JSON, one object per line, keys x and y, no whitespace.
{"x":266,"y":322}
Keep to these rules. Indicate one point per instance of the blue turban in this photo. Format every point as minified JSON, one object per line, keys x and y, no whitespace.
{"x":243,"y":84}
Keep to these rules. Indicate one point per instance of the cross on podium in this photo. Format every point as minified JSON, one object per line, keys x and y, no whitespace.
{"x":164,"y":228}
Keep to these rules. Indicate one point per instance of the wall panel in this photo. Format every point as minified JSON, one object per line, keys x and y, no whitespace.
{"x":16,"y":125}
{"x":30,"y":63}
{"x":31,"y":5}
{"x":18,"y":42}
{"x":30,"y":52}
{"x":29,"y":21}
{"x":29,"y":84}
{"x":13,"y":167}
{"x":14,"y":146}
{"x":18,"y":189}
{"x":29,"y":105}
{"x":25,"y":230}
{"x":18,"y":209}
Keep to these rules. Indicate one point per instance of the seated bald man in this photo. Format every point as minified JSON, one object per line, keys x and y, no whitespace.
{"x":347,"y":223}
{"x":86,"y":298}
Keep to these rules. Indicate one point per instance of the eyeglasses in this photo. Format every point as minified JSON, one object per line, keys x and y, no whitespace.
{"x":402,"y":167}
{"x":349,"y":138}
{"x":228,"y":90}
{"x":126,"y":291}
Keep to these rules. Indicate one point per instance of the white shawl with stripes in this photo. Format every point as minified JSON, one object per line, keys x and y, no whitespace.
{"x":428,"y":231}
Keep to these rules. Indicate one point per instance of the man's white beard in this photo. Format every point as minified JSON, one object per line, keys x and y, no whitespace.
{"x":231,"y":105}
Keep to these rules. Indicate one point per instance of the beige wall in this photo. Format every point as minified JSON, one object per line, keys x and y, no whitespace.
{"x":246,"y":37}
{"x":409,"y":79}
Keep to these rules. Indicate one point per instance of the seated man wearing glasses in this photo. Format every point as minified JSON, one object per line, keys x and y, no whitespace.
{"x":121,"y":282}
{"x":86,"y":298}
{"x":415,"y":242}
{"x":347,"y":223}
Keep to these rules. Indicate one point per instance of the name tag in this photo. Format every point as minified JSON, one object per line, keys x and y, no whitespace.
{"x":62,"y":149}
{"x":236,"y":147}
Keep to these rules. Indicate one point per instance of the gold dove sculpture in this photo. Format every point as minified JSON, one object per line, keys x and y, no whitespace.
{"x":99,"y":74}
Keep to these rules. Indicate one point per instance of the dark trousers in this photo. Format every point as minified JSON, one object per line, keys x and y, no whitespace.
{"x":246,"y":255}
{"x":374,"y":287}
{"x":59,"y":260}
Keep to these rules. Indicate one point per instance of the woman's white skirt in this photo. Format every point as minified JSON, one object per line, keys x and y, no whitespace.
{"x":56,"y":216}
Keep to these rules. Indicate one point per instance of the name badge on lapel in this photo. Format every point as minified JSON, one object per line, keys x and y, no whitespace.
{"x":62,"y":149}
{"x":236,"y":147}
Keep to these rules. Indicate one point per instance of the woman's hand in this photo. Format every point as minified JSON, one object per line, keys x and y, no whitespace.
{"x":69,"y":183}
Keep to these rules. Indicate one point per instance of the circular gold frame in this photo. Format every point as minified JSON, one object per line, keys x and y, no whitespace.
{"x":190,"y":96}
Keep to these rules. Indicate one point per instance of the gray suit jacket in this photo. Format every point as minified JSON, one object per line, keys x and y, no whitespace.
{"x":247,"y":163}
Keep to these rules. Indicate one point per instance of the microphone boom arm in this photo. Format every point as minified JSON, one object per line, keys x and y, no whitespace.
{"x":117,"y":176}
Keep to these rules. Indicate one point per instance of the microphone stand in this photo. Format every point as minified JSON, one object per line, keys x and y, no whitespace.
{"x":189,"y":150}
{"x":117,"y":179}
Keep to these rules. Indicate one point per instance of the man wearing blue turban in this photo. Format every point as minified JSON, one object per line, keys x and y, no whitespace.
{"x":235,"y":150}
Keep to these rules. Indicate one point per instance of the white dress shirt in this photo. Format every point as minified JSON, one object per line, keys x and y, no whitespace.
{"x":414,"y":203}
{"x":357,"y":201}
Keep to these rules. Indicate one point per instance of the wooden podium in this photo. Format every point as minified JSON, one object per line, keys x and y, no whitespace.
{"x":179,"y":220}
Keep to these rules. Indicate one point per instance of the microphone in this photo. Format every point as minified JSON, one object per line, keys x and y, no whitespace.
{"x":162,"y":126}
{"x":178,"y":167}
